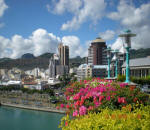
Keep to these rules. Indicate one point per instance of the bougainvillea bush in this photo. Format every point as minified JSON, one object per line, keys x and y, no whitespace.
{"x":109,"y":119}
{"x":96,"y":94}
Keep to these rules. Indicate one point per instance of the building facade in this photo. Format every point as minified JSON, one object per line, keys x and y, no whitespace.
{"x":99,"y":71}
{"x":62,"y":70}
{"x":53,"y":63}
{"x":139,"y":67}
{"x":96,"y":52}
{"x":63,"y":54}
{"x":87,"y":70}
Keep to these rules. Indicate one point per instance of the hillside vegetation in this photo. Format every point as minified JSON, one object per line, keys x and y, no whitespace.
{"x":29,"y":61}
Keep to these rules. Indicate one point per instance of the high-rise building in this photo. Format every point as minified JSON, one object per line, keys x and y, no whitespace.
{"x":54,"y":61}
{"x":63,"y":54}
{"x":96,"y":52}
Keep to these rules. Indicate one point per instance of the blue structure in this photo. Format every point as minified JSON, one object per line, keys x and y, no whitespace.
{"x":116,"y":54}
{"x":108,"y":57}
{"x":127,"y":39}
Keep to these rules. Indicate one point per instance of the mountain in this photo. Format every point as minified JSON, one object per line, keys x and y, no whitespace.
{"x":29,"y":61}
{"x":27,"y":56}
{"x":75,"y":62}
{"x":139,"y":53}
{"x":46,"y":55}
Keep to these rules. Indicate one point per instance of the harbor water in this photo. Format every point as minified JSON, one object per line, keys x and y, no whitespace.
{"x":12,"y":118}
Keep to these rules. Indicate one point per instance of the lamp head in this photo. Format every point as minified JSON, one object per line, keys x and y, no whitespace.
{"x":126,"y":35}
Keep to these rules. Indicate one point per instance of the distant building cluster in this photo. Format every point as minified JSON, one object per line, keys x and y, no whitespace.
{"x":37,"y":78}
{"x":96,"y":52}
{"x":95,"y":66}
{"x":59,"y":64}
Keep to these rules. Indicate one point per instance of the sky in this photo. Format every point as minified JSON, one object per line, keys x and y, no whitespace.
{"x":38,"y":26}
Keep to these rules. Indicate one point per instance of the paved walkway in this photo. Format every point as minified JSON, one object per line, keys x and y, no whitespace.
{"x":48,"y":109}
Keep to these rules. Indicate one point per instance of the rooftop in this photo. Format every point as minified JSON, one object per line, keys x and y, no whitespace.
{"x":99,"y":66}
{"x":98,"y":40}
{"x":138,"y":62}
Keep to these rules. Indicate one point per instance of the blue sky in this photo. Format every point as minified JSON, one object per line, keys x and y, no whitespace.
{"x":38,"y":26}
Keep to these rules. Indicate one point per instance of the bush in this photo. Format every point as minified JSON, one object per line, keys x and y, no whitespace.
{"x":142,"y":81}
{"x":96,"y":94}
{"x":138,"y":80}
{"x":121,"y":78}
{"x":108,"y":119}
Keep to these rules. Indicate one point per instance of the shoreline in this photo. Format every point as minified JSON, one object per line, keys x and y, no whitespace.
{"x":33,"y":108}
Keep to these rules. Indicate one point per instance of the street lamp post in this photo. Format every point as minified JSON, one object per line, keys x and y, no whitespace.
{"x":108,"y":57}
{"x":127,"y":38}
{"x":116,"y":60}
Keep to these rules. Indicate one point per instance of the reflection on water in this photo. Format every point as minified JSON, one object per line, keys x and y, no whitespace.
{"x":21,"y":119}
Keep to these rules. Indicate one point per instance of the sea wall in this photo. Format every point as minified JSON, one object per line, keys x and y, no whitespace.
{"x":35,"y":101}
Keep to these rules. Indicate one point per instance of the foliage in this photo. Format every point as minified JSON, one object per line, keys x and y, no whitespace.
{"x":26,"y":90}
{"x":67,"y":78}
{"x":42,"y":61}
{"x":96,"y":94}
{"x":142,"y":81}
{"x":103,"y":104}
{"x":108,"y":119}
{"x":10,"y":88}
{"x":121,"y":78}
{"x":138,"y":80}
{"x":139,"y":53}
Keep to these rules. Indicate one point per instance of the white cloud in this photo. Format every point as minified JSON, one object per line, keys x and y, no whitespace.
{"x":82,"y":10}
{"x":4,"y":47}
{"x":48,"y":7}
{"x":136,"y":19}
{"x":107,"y":35}
{"x":67,"y":5}
{"x":76,"y":49}
{"x":38,"y":43}
{"x":3,"y":7}
{"x":117,"y":44}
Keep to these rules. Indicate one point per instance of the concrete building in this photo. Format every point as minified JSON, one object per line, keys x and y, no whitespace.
{"x":96,"y":52}
{"x":54,"y":61}
{"x":139,"y":67}
{"x":99,"y":71}
{"x":62,"y":70}
{"x":63,"y":54}
{"x":73,"y":70}
{"x":86,"y":70}
{"x":121,"y":59}
{"x":81,"y":72}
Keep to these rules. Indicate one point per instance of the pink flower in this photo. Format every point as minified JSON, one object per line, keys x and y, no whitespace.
{"x":119,"y":100}
{"x":75,"y":113}
{"x":90,"y":108}
{"x":77,"y":103}
{"x":97,"y":104}
{"x":67,"y":97}
{"x":67,"y":106}
{"x":108,"y":98}
{"x":101,"y":98}
{"x":57,"y":107}
{"x":62,"y":105}
{"x":82,"y":110}
{"x":122,"y":100}
{"x":76,"y":97}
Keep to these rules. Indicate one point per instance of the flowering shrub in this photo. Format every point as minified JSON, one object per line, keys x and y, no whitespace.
{"x":95,"y":94}
{"x":108,"y":119}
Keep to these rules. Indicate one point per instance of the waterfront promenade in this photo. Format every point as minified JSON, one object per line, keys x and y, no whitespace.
{"x":48,"y":109}
{"x":39,"y":102}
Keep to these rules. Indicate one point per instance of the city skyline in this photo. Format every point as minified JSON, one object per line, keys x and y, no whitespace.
{"x":38,"y":26}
